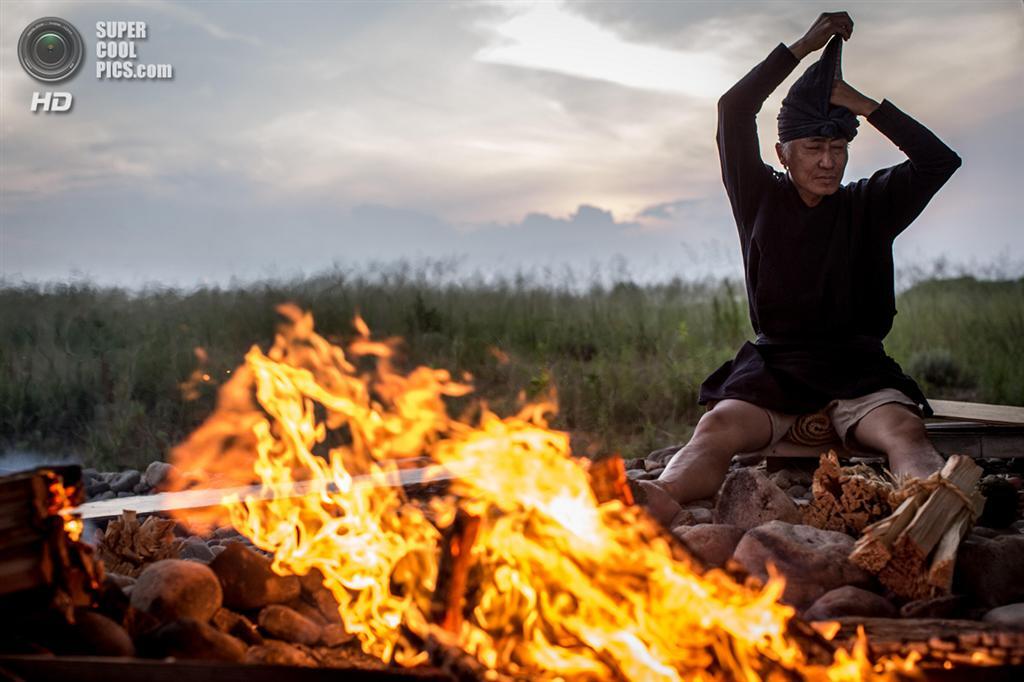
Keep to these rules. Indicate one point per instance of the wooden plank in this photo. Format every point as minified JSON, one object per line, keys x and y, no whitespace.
{"x":101,"y":669}
{"x":978,"y":412}
{"x":212,"y":497}
{"x":975,"y":439}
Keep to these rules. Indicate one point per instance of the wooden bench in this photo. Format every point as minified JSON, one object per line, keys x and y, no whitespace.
{"x":975,"y":429}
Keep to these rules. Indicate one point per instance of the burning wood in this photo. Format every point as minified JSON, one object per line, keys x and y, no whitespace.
{"x":521,"y":566}
{"x":913,"y":551}
{"x":39,"y":546}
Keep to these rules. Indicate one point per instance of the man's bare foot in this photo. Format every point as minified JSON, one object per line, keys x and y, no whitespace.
{"x":659,"y":504}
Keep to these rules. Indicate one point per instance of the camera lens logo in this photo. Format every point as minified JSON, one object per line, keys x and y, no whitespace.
{"x":50,"y":49}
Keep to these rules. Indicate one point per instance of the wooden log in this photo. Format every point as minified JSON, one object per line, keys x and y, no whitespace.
{"x":940,"y":575}
{"x":453,"y":572}
{"x":913,"y":551}
{"x":961,"y":642}
{"x":874,"y":548}
{"x":847,"y":499}
{"x":942,"y":506}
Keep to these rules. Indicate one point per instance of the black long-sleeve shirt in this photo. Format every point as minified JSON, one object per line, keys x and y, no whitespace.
{"x":820,"y":284}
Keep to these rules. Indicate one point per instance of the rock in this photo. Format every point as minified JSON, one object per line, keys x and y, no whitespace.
{"x":682,"y":520}
{"x":334,"y":634}
{"x":195,"y":548}
{"x":947,"y":606}
{"x":157,"y":473}
{"x":635,"y":463}
{"x":654,"y":465}
{"x":96,"y":486}
{"x":787,"y":478}
{"x":712,"y":543}
{"x":125,"y":481}
{"x":850,"y":601}
{"x":700,"y":515}
{"x":991,"y":570}
{"x":812,"y":561}
{"x":105,"y":495}
{"x":126,"y":493}
{"x":226,"y":532}
{"x":275,"y":652}
{"x":1011,"y":615}
{"x":99,"y":635}
{"x":236,"y":625}
{"x":1000,"y":502}
{"x":326,"y":604}
{"x":643,"y":475}
{"x":189,"y":638}
{"x":282,"y":622}
{"x":661,"y":456}
{"x":118,"y":579}
{"x":248,"y":581}
{"x":308,"y":610}
{"x":173,"y":589}
{"x":796,"y":491}
{"x":749,"y":499}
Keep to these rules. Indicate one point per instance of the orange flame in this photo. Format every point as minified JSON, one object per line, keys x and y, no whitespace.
{"x":60,"y":502}
{"x":562,"y":586}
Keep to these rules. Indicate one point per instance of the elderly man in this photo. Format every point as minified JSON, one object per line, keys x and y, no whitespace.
{"x":819,"y":273}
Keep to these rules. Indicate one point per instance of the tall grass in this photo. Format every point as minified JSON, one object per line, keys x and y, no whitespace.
{"x":97,"y":371}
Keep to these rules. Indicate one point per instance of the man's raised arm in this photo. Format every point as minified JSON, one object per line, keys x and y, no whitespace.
{"x":743,"y":171}
{"x":898,"y":194}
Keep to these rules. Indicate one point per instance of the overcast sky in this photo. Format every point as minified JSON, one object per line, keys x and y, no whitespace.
{"x":295,"y":136}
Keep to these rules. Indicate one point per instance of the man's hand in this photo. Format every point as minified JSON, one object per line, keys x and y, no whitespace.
{"x":844,"y":95}
{"x":826,"y":26}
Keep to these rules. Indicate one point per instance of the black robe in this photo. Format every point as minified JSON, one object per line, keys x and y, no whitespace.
{"x":819,"y":279}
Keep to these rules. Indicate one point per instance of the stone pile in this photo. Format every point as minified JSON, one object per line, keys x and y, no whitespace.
{"x":760,"y":518}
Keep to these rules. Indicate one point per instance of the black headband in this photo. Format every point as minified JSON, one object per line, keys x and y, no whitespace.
{"x":806,"y":110}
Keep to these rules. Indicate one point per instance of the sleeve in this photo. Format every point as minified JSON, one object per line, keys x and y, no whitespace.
{"x":897,"y":195}
{"x":743,"y":172}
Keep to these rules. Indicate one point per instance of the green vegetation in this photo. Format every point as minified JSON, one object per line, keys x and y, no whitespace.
{"x":97,"y":371}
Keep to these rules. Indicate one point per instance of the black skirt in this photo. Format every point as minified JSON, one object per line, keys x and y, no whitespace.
{"x":801,"y":378}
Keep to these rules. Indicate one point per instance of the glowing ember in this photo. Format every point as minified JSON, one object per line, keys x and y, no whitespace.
{"x":560,"y":586}
{"x":61,"y":501}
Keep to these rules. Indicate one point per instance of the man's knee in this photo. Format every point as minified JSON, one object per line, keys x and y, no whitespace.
{"x":895,"y":427}
{"x":736,"y":422}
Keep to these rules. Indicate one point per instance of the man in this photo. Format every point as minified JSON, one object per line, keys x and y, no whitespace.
{"x":819,"y":272}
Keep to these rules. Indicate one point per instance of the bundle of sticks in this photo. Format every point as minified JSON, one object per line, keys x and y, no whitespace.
{"x":913,"y":550}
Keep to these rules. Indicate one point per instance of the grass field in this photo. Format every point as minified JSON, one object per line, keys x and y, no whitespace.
{"x":96,"y":371}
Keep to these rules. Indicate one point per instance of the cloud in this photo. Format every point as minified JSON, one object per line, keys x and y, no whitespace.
{"x":390,"y":129}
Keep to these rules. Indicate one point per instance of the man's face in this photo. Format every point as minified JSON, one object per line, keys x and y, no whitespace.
{"x":816,"y":164}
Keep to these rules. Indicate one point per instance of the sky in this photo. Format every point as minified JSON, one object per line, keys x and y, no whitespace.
{"x":501,"y":136}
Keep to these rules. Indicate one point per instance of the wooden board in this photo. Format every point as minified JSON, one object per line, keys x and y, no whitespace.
{"x":975,"y":439}
{"x":100,"y":669}
{"x":211,"y":497}
{"x":978,"y":412}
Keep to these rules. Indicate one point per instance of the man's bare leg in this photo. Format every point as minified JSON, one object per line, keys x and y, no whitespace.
{"x":895,"y":430}
{"x":699,"y":468}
